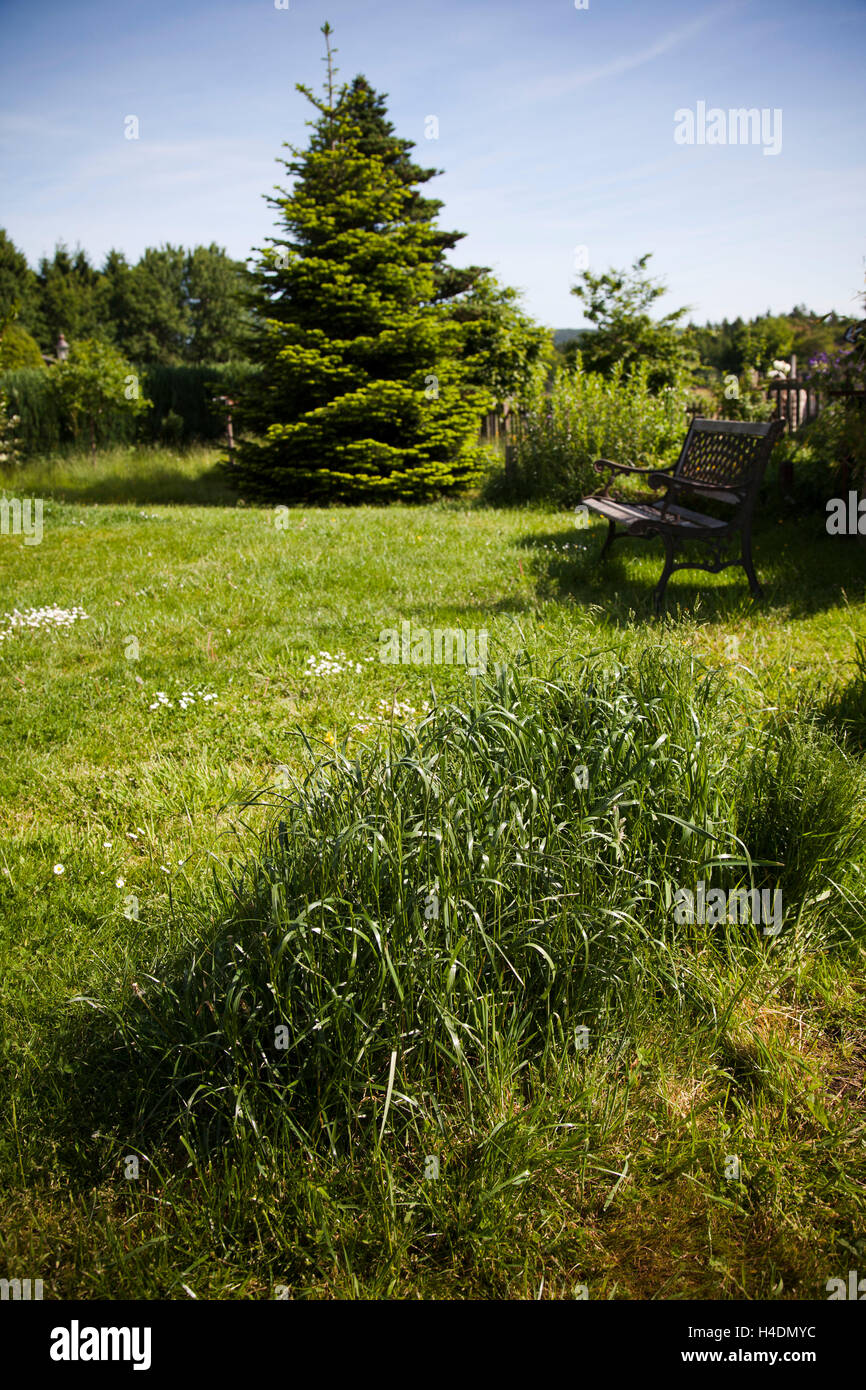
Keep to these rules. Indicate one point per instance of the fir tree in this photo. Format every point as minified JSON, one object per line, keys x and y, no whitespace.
{"x":362,"y":391}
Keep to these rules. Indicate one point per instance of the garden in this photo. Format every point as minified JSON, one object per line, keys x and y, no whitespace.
{"x":336,"y":968}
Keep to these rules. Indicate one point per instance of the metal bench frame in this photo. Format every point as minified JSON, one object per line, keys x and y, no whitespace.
{"x":720,"y":459}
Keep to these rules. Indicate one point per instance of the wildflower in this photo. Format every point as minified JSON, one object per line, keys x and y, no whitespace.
{"x":60,"y":868}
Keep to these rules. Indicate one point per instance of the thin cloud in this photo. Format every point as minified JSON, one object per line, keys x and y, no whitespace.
{"x":558,"y":87}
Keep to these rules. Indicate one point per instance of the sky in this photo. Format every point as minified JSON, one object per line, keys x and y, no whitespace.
{"x":561,"y":133}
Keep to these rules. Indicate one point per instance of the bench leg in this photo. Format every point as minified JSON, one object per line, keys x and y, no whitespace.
{"x":659,"y":592}
{"x":611,"y":532}
{"x":754,"y":585}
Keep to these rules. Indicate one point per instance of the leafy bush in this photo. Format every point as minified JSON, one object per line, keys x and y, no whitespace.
{"x":749,"y":401}
{"x":46,"y":424}
{"x":188,"y":393}
{"x":19,"y":349}
{"x":31,"y":395}
{"x":821,"y":450}
{"x":8,"y":444}
{"x":97,"y":387}
{"x":582,"y":417}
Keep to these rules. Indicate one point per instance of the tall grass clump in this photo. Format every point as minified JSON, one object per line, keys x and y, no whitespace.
{"x":845,"y":707}
{"x":566,"y":425}
{"x":435,"y":919}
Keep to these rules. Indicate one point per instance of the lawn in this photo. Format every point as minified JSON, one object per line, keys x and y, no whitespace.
{"x":148,"y":746}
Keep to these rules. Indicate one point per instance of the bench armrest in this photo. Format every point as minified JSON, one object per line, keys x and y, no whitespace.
{"x":656,"y":477}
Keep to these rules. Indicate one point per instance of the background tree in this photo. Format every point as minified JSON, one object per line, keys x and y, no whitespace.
{"x":363,"y":389}
{"x":502,"y":345}
{"x":618,"y":302}
{"x":757,"y":345}
{"x":69,"y":299}
{"x":154,"y":322}
{"x":216,"y":290}
{"x":19,"y":290}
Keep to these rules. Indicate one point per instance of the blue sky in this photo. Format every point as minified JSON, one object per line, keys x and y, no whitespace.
{"x":556,"y":130}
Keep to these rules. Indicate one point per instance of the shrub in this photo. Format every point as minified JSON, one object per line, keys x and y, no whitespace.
{"x":582,"y":417}
{"x":31,"y":395}
{"x":185,"y":392}
{"x":749,"y":403}
{"x":97,"y":387}
{"x":19,"y":349}
{"x":8,"y":445}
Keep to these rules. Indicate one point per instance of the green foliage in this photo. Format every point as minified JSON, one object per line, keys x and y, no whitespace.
{"x":844,"y":710}
{"x":739,"y":346}
{"x":96,"y":384}
{"x":363,"y":391}
{"x":19,"y":289}
{"x":438,"y":916}
{"x":582,"y":416}
{"x":189,"y":394}
{"x":69,"y":299}
{"x":741,"y":398}
{"x":31,"y":394}
{"x":827,"y":453}
{"x":501,"y":344}
{"x":172,"y":307}
{"x":757,"y":345}
{"x":185,"y":392}
{"x":216,"y":289}
{"x":156,"y":322}
{"x":617,"y":302}
{"x":18,"y":349}
{"x":8,"y":444}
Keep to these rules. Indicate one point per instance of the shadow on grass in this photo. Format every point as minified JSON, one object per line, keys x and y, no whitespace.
{"x":801,"y":569}
{"x":163,"y":486}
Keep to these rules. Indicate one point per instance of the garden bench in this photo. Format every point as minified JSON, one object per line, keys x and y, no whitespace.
{"x":722,"y":460}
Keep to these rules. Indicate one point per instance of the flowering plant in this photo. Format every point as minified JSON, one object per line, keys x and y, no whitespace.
{"x":8,"y":451}
{"x":845,"y":368}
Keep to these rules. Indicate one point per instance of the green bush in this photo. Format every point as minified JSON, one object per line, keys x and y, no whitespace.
{"x":185,"y":393}
{"x":19,"y":349}
{"x":188,"y":393}
{"x":98,"y":391}
{"x":8,"y":443}
{"x":31,"y":396}
{"x":581,"y":417}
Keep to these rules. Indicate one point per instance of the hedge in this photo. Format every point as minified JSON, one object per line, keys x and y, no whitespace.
{"x":182,"y":410}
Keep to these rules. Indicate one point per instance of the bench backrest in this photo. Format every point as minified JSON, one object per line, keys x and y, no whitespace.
{"x":727,"y":455}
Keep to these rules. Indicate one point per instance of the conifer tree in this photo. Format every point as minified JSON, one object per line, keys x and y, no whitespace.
{"x":363,"y":392}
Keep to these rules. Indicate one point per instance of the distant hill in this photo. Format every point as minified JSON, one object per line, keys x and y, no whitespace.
{"x":561,"y":336}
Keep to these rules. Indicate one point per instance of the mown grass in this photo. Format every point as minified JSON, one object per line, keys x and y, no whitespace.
{"x":444,"y":893}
